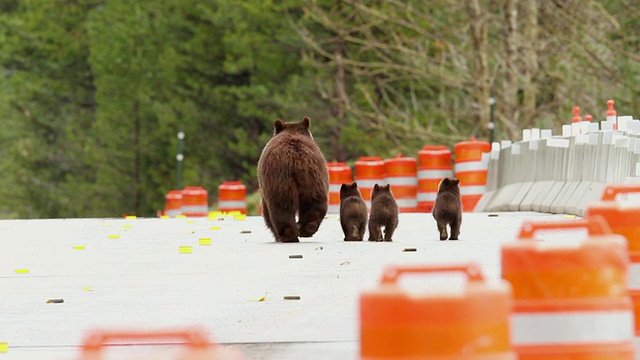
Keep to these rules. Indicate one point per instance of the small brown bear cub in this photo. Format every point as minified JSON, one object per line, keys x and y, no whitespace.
{"x":447,"y":209}
{"x":384,"y":212}
{"x":353,"y":212}
{"x":293,"y":178}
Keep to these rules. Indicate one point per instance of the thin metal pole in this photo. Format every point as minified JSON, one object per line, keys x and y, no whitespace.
{"x":492,"y":124}
{"x":180,"y":159}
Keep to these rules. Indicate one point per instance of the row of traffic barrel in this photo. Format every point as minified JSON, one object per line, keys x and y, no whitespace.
{"x":556,"y":299}
{"x":193,"y":201}
{"x":414,"y":182}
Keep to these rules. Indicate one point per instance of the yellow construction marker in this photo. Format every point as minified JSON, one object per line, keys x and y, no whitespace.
{"x":113,"y":236}
{"x":22,"y":271}
{"x":234,"y":212}
{"x":215,"y":214}
{"x":127,"y":226}
{"x":191,"y":221}
{"x":78,"y":247}
{"x":241,"y":217}
{"x":205,"y":241}
{"x":181,"y":217}
{"x":186,"y":249}
{"x":165,"y":217}
{"x":214,"y":228}
{"x":4,"y":347}
{"x":130,"y":217}
{"x":87,"y":288}
{"x":570,"y":216}
{"x":264,"y":298}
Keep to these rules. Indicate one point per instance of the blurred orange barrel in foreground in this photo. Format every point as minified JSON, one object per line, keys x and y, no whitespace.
{"x":434,"y":165}
{"x":397,"y":322}
{"x":570,"y":300}
{"x":195,"y":201}
{"x":623,"y":216}
{"x":471,"y":169}
{"x":369,"y":171}
{"x":401,"y":173}
{"x":173,"y":203}
{"x":339,"y":173}
{"x":232,"y":196}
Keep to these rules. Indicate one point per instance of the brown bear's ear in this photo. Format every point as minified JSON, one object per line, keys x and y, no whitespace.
{"x":354,"y":185}
{"x":376,"y":187}
{"x":343,"y":187}
{"x":305,"y":122}
{"x":388,"y":187}
{"x":278,"y":126}
{"x":455,"y":181}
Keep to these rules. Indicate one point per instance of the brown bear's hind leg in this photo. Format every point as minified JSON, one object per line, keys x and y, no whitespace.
{"x":310,"y":216}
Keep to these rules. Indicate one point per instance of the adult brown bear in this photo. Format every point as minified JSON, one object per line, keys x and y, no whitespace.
{"x":293,"y":178}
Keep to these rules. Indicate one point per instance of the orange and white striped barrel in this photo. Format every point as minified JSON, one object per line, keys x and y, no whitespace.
{"x":232,"y":196}
{"x":623,"y":219}
{"x":402,"y":174}
{"x":471,"y":324}
{"x":471,"y":170}
{"x":434,"y":165}
{"x":369,"y":171}
{"x":339,"y":173}
{"x":570,"y":300}
{"x":195,"y":201}
{"x":173,"y":203}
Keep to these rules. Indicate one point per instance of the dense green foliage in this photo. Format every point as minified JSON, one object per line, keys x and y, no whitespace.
{"x":93,"y":92}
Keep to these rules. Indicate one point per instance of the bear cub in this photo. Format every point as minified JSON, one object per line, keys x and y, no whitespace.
{"x":294,"y":180}
{"x":384,"y":212}
{"x":353,"y":212}
{"x":447,"y":209}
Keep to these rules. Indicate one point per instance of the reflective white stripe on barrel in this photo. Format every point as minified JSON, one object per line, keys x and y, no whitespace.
{"x":333,"y":209}
{"x":334,"y":188}
{"x":230,"y":204}
{"x":407,"y":203}
{"x":470,"y":166}
{"x":472,"y":190}
{"x":572,"y":327}
{"x":633,"y":276}
{"x":192,"y":209}
{"x":427,"y":196}
{"x":173,"y":212}
{"x":368,"y":184}
{"x":401,"y":180}
{"x":434,"y":174}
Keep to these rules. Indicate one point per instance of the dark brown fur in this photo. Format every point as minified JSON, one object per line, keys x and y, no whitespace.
{"x":293,"y":177}
{"x":384,"y":212}
{"x":447,"y":209}
{"x":353,"y":212}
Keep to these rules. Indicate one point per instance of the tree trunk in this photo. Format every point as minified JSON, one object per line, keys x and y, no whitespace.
{"x":530,"y":56}
{"x":340,"y":101}
{"x":481,"y":74}
{"x":510,"y":95}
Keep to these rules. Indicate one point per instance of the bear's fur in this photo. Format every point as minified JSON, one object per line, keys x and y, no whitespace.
{"x":293,"y":178}
{"x":384,"y":212}
{"x":447,"y":209}
{"x":353,"y":212}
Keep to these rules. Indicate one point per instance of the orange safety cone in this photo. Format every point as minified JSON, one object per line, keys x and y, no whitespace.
{"x":402,"y":174}
{"x":434,"y":165}
{"x":173,"y":203}
{"x":471,"y":170}
{"x":622,"y":218}
{"x":369,"y":171}
{"x":339,"y":173}
{"x":570,"y":301}
{"x":232,"y":196}
{"x":470,"y":325}
{"x":195,"y":201}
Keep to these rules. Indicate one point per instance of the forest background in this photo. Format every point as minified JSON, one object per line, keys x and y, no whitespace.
{"x":93,"y":92}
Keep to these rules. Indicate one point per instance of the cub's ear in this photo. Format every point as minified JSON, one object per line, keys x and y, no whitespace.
{"x":305,"y":122}
{"x":343,"y":187}
{"x":376,"y":187}
{"x":278,"y":126}
{"x":455,"y":181}
{"x":354,"y":185}
{"x":388,"y":187}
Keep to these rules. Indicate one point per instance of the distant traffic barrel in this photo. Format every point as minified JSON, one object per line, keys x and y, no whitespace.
{"x":195,"y":201}
{"x":434,"y":165}
{"x":402,"y":322}
{"x":339,"y":173}
{"x":471,"y":169}
{"x":173,"y":203}
{"x":369,"y":171}
{"x":232,"y":196}
{"x":402,"y":174}
{"x":570,"y":300}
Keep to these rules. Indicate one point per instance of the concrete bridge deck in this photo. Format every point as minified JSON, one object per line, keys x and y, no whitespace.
{"x":164,"y":273}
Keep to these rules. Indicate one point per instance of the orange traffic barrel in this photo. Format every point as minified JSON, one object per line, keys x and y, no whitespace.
{"x":570,"y":300}
{"x":193,"y":341}
{"x":369,"y":171}
{"x":402,"y":174}
{"x":173,"y":203}
{"x":471,"y":170}
{"x":434,"y":165}
{"x":399,"y":323}
{"x":195,"y":201}
{"x":622,"y":217}
{"x":232,"y":196}
{"x":339,"y":173}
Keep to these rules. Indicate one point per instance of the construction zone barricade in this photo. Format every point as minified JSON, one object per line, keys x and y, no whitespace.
{"x":470,"y":324}
{"x":195,"y":201}
{"x":369,"y":171}
{"x":434,"y":165}
{"x":196,"y":345}
{"x":232,"y":196}
{"x":623,"y":217}
{"x":339,"y":173}
{"x":402,"y":174}
{"x":173,"y":203}
{"x":471,"y":166}
{"x":570,"y":300}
